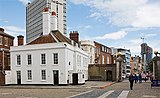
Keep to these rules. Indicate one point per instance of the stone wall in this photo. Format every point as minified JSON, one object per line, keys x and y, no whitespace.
{"x":102,"y":72}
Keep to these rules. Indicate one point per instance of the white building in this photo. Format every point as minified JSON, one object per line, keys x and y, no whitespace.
{"x":34,"y":17}
{"x":127,"y":56}
{"x":50,"y":59}
{"x":89,"y":47}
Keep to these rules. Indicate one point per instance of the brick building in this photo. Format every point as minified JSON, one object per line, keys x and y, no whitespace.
{"x":6,"y":41}
{"x":102,"y":54}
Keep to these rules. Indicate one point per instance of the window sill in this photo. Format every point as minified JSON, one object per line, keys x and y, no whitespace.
{"x":29,"y":80}
{"x":55,"y":65}
{"x":43,"y":80}
{"x":43,"y":64}
{"x":18,"y":65}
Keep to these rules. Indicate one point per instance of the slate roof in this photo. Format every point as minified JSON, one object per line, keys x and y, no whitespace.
{"x":52,"y":37}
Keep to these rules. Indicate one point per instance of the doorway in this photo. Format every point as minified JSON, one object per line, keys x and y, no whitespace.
{"x":75,"y":78}
{"x":109,"y":76}
{"x":56,"y":77}
{"x":18,"y":77}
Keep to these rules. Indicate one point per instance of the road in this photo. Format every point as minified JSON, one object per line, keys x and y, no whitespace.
{"x":117,"y":90}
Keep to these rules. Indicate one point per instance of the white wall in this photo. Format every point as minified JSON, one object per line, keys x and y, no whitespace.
{"x":66,"y":56}
{"x":8,"y":77}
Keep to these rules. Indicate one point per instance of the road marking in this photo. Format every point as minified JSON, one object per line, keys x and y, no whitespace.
{"x":106,"y":94}
{"x":5,"y":93}
{"x":124,"y":94}
{"x":80,"y":94}
{"x":148,"y":96}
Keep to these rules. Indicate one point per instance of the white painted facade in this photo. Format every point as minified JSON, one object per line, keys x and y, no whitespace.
{"x":71,"y":59}
{"x":34,"y":18}
{"x":89,"y":47}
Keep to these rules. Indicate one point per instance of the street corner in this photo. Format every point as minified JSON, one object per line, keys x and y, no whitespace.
{"x":110,"y":84}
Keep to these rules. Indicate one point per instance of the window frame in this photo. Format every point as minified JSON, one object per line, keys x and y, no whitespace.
{"x":29,"y":75}
{"x":55,"y":58}
{"x":18,"y":59}
{"x":29,"y":60}
{"x":43,"y":59}
{"x":43,"y":75}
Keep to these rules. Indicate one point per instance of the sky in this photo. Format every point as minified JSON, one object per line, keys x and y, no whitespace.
{"x":114,"y":23}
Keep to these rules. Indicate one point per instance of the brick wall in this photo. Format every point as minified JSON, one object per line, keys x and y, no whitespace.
{"x":2,"y":78}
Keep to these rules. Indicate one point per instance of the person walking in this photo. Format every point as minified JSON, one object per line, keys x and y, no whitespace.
{"x":140,"y":78}
{"x":135,"y":78}
{"x":131,"y":80}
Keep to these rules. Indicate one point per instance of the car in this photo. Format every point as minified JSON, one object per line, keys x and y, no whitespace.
{"x":123,"y":76}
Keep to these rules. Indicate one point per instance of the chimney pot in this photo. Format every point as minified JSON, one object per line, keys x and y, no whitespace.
{"x":1,"y":29}
{"x":74,"y":36}
{"x":20,"y":40}
{"x":54,"y":13}
{"x":46,"y":9}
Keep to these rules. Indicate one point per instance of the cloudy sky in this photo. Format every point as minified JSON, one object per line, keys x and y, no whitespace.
{"x":114,"y":23}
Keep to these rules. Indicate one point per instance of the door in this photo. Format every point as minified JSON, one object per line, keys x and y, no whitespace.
{"x":109,"y":75}
{"x":75,"y":78}
{"x":56,"y":77}
{"x":18,"y":77}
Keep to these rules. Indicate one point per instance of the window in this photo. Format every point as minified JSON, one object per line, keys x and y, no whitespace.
{"x":43,"y":73}
{"x":55,"y":58}
{"x":6,"y":41}
{"x":18,"y":59}
{"x":1,"y":40}
{"x":108,"y":60}
{"x":29,"y":59}
{"x":43,"y":58}
{"x":102,"y":59}
{"x":29,"y":72}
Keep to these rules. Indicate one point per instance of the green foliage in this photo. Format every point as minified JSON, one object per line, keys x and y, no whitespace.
{"x":150,"y":65}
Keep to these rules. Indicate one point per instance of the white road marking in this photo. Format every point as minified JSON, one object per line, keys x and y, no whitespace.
{"x":80,"y":94}
{"x":106,"y":94}
{"x":5,"y":93}
{"x":148,"y":96}
{"x":123,"y":94}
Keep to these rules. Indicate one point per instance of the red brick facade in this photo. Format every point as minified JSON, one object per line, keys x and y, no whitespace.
{"x":74,"y":36}
{"x":5,"y":42}
{"x":102,"y":54}
{"x":20,"y":40}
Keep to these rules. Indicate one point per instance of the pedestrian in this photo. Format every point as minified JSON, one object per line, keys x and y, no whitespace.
{"x":131,"y":80}
{"x":151,"y":77}
{"x":140,"y":78}
{"x":135,"y":78}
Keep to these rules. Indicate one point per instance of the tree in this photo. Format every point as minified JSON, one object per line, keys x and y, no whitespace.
{"x":150,"y":65}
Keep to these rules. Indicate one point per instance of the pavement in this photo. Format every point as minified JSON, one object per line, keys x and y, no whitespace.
{"x":88,"y":84}
{"x":91,"y":89}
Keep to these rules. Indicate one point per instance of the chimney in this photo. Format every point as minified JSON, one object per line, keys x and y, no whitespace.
{"x":1,"y":29}
{"x":74,"y":36}
{"x":20,"y":40}
{"x":46,"y":21}
{"x":53,"y":21}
